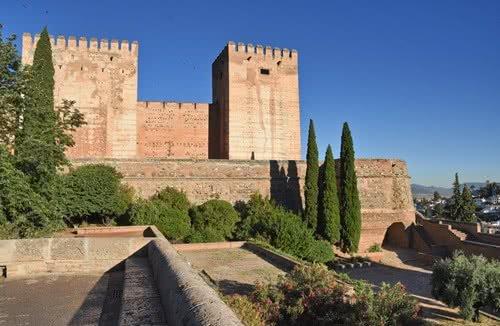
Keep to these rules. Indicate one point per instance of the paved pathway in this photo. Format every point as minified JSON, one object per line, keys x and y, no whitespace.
{"x":53,"y":300}
{"x":234,"y":270}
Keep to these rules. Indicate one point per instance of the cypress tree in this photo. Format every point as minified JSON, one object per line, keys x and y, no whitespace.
{"x":37,"y":153}
{"x":467,"y":213}
{"x":328,"y":203}
{"x":456,"y":200}
{"x":311,"y":182}
{"x":350,"y":206}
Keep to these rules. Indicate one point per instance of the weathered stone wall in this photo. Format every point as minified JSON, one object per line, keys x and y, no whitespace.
{"x":384,"y":185}
{"x":258,"y":91}
{"x":101,"y":77}
{"x":172,"y":130}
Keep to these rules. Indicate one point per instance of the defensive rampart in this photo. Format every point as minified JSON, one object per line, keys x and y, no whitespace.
{"x":384,"y":185}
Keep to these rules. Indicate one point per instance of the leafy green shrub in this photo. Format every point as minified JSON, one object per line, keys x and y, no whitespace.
{"x":309,"y":295}
{"x":312,"y":295}
{"x":173,"y":223}
{"x":391,"y":305}
{"x":94,"y":193}
{"x":263,"y":220}
{"x":213,"y":221}
{"x":173,"y":198}
{"x":256,"y":218}
{"x":23,"y":212}
{"x":293,"y":236}
{"x":467,"y":282}
{"x":248,"y":312}
{"x":375,"y":248}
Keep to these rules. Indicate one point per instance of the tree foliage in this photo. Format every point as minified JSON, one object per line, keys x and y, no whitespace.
{"x":490,"y":189}
{"x":313,"y":295}
{"x":23,"y":212}
{"x":328,"y":203}
{"x":350,"y":205}
{"x":261,"y":219}
{"x":33,"y":136}
{"x":468,"y":282}
{"x":172,"y":198}
{"x":213,"y":221}
{"x":311,"y":180}
{"x":40,"y":131}
{"x":462,"y":206}
{"x":94,"y":193}
{"x":174,"y":223}
{"x":456,"y":200}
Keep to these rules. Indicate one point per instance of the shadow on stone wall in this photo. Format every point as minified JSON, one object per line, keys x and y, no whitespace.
{"x":285,"y":186}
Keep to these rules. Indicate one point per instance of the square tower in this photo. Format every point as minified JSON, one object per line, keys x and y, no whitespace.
{"x":101,"y":77}
{"x":256,"y":111}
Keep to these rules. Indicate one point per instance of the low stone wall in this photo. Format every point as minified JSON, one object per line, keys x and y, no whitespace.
{"x":441,"y":233}
{"x":208,"y":245}
{"x":186,"y":298}
{"x":28,"y":257}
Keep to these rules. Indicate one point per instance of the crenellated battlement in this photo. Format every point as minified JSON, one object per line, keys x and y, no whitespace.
{"x":82,"y":44}
{"x":258,"y":49}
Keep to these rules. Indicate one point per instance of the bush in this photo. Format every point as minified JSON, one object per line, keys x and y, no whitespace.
{"x":172,"y":198}
{"x":467,"y":282}
{"x":248,"y":312}
{"x":94,"y":193}
{"x":23,"y":212}
{"x":375,"y":248}
{"x":293,"y":236}
{"x":312,"y":295}
{"x":391,"y":305}
{"x":173,"y":223}
{"x":213,"y":221}
{"x":263,"y":220}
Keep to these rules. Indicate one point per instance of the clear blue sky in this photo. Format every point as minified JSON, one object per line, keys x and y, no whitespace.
{"x":416,"y":80}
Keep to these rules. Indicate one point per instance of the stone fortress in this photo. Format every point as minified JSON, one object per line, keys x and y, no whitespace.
{"x":254,"y":112}
{"x":246,"y":140}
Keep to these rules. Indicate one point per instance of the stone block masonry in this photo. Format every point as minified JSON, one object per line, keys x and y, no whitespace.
{"x":101,"y":77}
{"x":254,"y":114}
{"x":384,"y":185}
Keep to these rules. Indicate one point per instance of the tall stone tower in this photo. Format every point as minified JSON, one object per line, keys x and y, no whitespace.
{"x":101,"y":77}
{"x":255,"y":112}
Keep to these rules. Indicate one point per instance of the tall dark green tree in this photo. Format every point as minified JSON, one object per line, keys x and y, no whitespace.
{"x":468,"y":209}
{"x":43,"y":133}
{"x":311,"y":182}
{"x":456,"y":200}
{"x":328,"y":203}
{"x":350,"y":205}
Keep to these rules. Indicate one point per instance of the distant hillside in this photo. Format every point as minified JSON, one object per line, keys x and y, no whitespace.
{"x":421,"y":191}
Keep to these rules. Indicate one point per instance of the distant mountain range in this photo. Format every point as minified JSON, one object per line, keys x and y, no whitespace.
{"x":421,"y":191}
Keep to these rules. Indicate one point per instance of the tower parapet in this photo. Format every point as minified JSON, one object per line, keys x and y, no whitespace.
{"x":60,"y":42}
{"x":266,"y":51}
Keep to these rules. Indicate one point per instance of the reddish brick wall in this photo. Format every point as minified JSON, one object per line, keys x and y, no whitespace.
{"x":172,"y":130}
{"x":384,"y":185}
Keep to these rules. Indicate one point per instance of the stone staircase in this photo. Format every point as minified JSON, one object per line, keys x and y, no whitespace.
{"x":141,"y":302}
{"x":461,"y":235}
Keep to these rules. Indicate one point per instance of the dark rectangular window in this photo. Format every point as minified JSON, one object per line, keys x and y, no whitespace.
{"x":264,"y":71}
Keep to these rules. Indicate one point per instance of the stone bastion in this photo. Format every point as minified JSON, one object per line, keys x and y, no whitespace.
{"x":384,"y":186}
